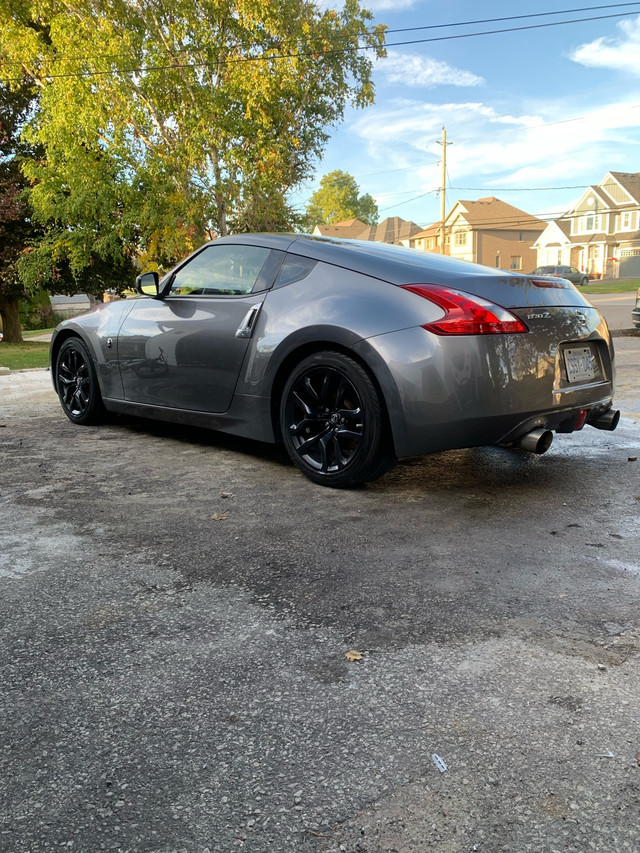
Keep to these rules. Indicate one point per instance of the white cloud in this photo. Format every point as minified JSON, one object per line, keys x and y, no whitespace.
{"x":621,"y":54}
{"x":424,"y":72}
{"x":497,"y":148}
{"x":386,"y":5}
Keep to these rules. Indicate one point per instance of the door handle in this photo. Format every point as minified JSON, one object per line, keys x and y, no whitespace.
{"x":245,"y":329}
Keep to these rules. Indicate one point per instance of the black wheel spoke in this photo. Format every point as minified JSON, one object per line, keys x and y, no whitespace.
{"x":332,"y":421}
{"x":325,"y":419}
{"x":313,"y":442}
{"x":77,"y":384}
{"x":304,"y":405}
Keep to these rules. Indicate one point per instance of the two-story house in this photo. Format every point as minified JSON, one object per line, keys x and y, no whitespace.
{"x":487,"y":231}
{"x":600,"y":234}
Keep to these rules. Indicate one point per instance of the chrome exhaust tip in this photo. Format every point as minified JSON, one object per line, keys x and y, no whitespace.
{"x":537,"y":441}
{"x":607,"y":421}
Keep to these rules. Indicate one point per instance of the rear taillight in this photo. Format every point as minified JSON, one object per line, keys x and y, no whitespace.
{"x":560,"y":284}
{"x":466,"y":314}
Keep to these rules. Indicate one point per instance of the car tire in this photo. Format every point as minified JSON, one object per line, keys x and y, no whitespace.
{"x":334,"y":423}
{"x":77,"y":384}
{"x":584,"y":281}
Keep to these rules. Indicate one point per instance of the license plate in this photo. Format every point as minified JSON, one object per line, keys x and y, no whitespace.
{"x":579,"y":364}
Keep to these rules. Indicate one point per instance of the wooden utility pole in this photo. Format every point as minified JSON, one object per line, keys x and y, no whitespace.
{"x":443,"y":184}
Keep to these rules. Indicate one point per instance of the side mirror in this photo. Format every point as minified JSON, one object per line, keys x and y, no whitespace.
{"x":147,"y":283}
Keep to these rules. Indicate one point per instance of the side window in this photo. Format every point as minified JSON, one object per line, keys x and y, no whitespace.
{"x":293,"y":269}
{"x":224,"y":270}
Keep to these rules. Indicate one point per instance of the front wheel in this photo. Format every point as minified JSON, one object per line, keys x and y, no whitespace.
{"x":77,"y":384}
{"x":334,"y":423}
{"x":584,"y":281}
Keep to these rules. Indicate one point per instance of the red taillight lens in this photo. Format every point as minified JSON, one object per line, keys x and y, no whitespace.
{"x":466,"y":314}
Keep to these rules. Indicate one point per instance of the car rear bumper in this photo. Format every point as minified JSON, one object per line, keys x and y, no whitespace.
{"x":449,"y":392}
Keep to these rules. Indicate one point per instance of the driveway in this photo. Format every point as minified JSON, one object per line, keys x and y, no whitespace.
{"x":178,"y":611}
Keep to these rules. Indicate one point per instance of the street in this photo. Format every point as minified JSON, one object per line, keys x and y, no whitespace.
{"x":616,"y":308}
{"x":203,"y":651}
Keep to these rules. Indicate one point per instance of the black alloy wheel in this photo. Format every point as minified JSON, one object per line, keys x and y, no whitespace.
{"x":334,"y":423}
{"x":77,"y":384}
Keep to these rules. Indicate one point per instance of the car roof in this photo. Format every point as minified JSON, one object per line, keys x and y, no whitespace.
{"x":396,"y":264}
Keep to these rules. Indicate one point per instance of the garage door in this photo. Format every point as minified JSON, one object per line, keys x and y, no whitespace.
{"x":629,"y":263}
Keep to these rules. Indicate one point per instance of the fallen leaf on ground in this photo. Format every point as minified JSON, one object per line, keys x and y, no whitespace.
{"x":219,"y":516}
{"x":353,"y":655}
{"x":227,"y":495}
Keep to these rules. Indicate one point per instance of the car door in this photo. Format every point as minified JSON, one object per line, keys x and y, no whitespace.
{"x":185,"y":349}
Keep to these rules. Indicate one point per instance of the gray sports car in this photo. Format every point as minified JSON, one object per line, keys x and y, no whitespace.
{"x":351,"y":353}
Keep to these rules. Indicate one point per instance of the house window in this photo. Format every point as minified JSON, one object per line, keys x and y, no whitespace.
{"x":520,"y":237}
{"x":625,"y":221}
{"x":429,"y":243}
{"x":461,"y":238}
{"x":590,"y":223}
{"x":497,"y":261}
{"x":516,"y":262}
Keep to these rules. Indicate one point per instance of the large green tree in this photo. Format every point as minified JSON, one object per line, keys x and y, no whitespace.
{"x":167,"y":122}
{"x":17,"y":230}
{"x":337,"y":199}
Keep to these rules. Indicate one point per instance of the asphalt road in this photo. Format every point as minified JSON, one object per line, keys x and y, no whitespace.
{"x":616,"y":308}
{"x":175,"y":613}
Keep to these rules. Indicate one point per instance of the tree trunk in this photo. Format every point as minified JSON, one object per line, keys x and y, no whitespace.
{"x":10,"y":314}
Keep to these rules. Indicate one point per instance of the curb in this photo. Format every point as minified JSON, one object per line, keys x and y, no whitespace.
{"x":5,"y":371}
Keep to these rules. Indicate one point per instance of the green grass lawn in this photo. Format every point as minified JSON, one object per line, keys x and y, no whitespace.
{"x":36,"y":332}
{"x":611,"y":287}
{"x":24,"y":355}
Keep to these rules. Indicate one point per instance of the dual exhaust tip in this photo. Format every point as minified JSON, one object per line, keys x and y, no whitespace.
{"x":539,"y":440}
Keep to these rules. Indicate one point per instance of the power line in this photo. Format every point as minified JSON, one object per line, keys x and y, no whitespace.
{"x":513,"y":18}
{"x":519,"y":189}
{"x":372,"y":31}
{"x":312,"y":54}
{"x":505,"y":30}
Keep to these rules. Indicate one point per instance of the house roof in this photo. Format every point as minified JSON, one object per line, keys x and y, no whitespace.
{"x":390,"y":230}
{"x":429,"y":231}
{"x":630,"y":181}
{"x":597,"y":191}
{"x":495,"y":214}
{"x":564,"y":225}
{"x":346,"y":228}
{"x":553,"y":233}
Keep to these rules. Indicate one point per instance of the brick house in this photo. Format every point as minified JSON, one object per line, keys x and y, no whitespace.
{"x":491,"y":232}
{"x":600,"y":234}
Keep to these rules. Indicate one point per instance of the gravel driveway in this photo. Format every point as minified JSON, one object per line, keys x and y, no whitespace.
{"x":176,"y":613}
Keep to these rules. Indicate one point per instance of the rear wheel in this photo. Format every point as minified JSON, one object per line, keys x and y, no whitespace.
{"x":77,"y":384}
{"x":584,"y":281}
{"x":334,"y":423}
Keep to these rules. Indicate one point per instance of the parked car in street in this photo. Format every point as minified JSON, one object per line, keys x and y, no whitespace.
{"x":635,"y":314}
{"x":351,"y":353}
{"x":570,"y":273}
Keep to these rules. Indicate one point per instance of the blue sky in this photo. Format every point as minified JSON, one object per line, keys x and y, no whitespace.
{"x":533,"y":116}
